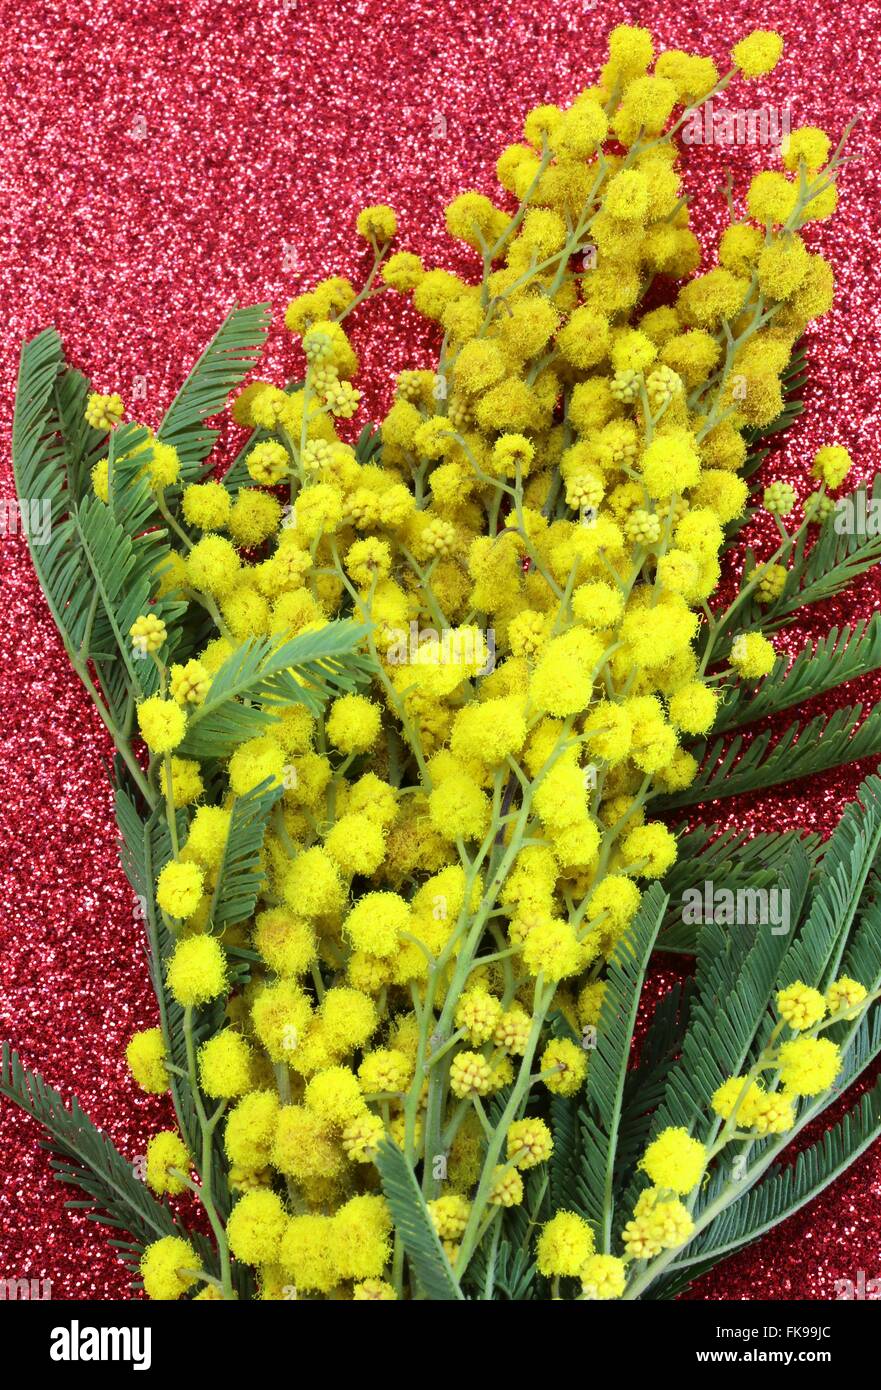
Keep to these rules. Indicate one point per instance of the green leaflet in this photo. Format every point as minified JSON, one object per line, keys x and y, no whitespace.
{"x":98,"y":566}
{"x":606,"y":1074}
{"x":369,"y":443}
{"x":122,"y":574}
{"x":262,"y":674}
{"x":428,"y":1259}
{"x":802,"y":750}
{"x":85,"y":1157}
{"x":239,"y":874}
{"x":842,"y":655}
{"x":646,"y":1081}
{"x":84,"y":445}
{"x":817,"y":952}
{"x":45,"y":464}
{"x":563,"y":1171}
{"x":232,"y":353}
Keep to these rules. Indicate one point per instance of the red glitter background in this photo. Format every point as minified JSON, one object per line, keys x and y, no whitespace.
{"x":159,"y":160}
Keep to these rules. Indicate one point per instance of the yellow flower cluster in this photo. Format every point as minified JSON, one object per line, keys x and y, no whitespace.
{"x":460,"y":847}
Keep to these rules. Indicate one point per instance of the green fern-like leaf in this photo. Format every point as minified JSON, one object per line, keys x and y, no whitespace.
{"x":817,"y":952}
{"x":44,"y":465}
{"x":606,"y":1075}
{"x":232,"y":353}
{"x":646,"y":1082}
{"x":843,"y":655}
{"x":369,"y":443}
{"x":83,"y":1156}
{"x":802,"y":750}
{"x":98,"y":566}
{"x":239,"y":875}
{"x":306,"y":669}
{"x":427,"y":1257}
{"x":122,"y":570}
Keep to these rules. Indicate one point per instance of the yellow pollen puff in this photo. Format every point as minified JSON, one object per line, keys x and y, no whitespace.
{"x":564,"y":1245}
{"x":197,"y":970}
{"x":162,"y":723}
{"x":377,"y":223}
{"x":179,"y":889}
{"x":145,"y":1055}
{"x":759,"y":53}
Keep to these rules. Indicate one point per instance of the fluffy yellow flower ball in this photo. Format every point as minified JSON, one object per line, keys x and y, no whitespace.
{"x":250,"y":1129}
{"x":145,"y":1055}
{"x":378,"y":223}
{"x":675,"y":1160}
{"x":168,"y":1268}
{"x":808,"y":1065}
{"x":752,"y":655}
{"x":197,"y":970}
{"x":376,"y":922}
{"x":564,"y":1245}
{"x":162,"y":723}
{"x":564,"y":1067}
{"x":758,"y":53}
{"x":165,"y":1151}
{"x":226,"y":1065}
{"x":179,"y":889}
{"x":213,"y":566}
{"x":353,"y":724}
{"x":832,"y":465}
{"x":255,"y":1227}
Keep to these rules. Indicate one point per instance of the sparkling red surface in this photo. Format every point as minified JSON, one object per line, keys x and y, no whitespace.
{"x":158,"y":161}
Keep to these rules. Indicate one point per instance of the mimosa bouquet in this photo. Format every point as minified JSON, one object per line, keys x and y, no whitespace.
{"x":408,"y":724}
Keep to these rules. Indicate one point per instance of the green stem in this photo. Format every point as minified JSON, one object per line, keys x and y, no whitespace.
{"x":207,"y":1127}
